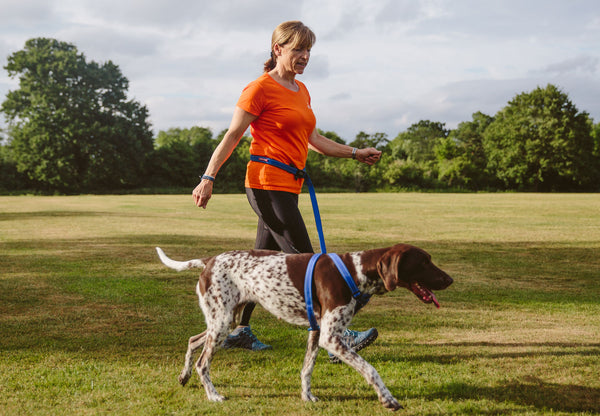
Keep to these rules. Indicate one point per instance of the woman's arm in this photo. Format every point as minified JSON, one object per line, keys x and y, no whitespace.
{"x":327,"y":147}
{"x":239,"y":124}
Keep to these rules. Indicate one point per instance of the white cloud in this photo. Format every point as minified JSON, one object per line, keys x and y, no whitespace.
{"x":377,"y":66}
{"x":583,"y":64}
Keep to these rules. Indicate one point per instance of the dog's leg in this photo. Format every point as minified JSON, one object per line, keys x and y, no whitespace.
{"x":331,"y":340}
{"x":213,"y":341}
{"x":312,"y":349}
{"x":203,"y":366}
{"x":194,"y":344}
{"x":218,"y":325}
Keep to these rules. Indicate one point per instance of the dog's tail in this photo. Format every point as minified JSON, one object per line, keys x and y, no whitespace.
{"x":179,"y":265}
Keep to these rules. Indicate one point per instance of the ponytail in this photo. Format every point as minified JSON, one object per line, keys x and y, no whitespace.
{"x":271,"y":63}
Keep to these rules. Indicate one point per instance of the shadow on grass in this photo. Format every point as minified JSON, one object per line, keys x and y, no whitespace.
{"x":528,"y":392}
{"x":38,"y":215}
{"x":457,"y":352}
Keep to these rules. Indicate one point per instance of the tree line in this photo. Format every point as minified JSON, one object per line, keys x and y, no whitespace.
{"x":71,"y":129}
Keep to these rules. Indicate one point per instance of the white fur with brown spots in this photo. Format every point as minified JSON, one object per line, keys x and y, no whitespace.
{"x":276,"y":280}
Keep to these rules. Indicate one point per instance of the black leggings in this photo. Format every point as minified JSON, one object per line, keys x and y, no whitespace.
{"x":280,"y":227}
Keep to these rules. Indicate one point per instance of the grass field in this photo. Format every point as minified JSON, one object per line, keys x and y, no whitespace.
{"x":91,"y":322}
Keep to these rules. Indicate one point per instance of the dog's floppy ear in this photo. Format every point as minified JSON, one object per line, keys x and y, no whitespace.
{"x":388,"y":266}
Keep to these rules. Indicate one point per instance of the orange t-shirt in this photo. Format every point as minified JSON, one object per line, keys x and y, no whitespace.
{"x":281,"y":131}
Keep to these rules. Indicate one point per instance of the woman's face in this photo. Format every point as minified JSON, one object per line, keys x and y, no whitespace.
{"x":292,"y":59}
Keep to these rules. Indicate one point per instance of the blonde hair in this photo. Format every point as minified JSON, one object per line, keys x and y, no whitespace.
{"x":294,"y":33}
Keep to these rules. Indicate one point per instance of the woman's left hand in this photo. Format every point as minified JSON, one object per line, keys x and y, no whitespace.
{"x":368,"y":155}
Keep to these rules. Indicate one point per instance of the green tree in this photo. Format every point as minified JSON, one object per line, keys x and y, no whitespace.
{"x":418,"y":141}
{"x":366,"y":177}
{"x":405,"y":173}
{"x":413,"y":159}
{"x":596,"y":138}
{"x":541,"y":142}
{"x":180,"y":156}
{"x":10,"y":178}
{"x":336,"y":173}
{"x":461,"y":157}
{"x":70,"y":125}
{"x":177,"y":135}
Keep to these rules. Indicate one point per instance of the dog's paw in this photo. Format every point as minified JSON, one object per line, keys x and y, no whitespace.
{"x":216,"y":398}
{"x":392,"y":404}
{"x":183,"y":378}
{"x":308,"y":397}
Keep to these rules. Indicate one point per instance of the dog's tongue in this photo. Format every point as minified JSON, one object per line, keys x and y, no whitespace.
{"x":424,"y":294}
{"x":434,"y":300}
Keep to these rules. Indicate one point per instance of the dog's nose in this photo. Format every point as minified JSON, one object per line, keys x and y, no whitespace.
{"x":449,"y":280}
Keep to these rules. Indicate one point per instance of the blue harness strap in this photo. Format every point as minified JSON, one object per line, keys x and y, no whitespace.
{"x":360,"y":298}
{"x":308,"y":298}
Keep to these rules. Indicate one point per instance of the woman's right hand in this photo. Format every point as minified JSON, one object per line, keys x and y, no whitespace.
{"x":202,"y":193}
{"x":239,"y":124}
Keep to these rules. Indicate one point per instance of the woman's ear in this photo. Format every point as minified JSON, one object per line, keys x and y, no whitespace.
{"x":277,"y":49}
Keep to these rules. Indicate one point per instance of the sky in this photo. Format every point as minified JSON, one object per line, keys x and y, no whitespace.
{"x":378,"y":66}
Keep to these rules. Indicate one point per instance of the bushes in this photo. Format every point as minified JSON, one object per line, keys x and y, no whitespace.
{"x":538,"y":142}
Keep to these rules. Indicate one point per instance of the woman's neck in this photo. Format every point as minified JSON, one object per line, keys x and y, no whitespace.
{"x":284,"y":78}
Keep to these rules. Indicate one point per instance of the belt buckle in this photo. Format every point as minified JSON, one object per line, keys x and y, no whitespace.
{"x":300,"y":174}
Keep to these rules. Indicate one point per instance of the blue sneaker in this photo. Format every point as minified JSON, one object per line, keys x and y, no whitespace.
{"x":242,"y":337}
{"x":356,"y":340}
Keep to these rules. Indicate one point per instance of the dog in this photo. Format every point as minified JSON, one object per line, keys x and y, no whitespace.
{"x":276,"y":281}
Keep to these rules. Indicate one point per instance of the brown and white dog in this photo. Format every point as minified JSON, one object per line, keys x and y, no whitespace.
{"x":276,"y":281}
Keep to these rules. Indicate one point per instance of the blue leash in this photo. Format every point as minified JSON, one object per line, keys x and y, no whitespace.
{"x":299,"y":173}
{"x":360,"y":298}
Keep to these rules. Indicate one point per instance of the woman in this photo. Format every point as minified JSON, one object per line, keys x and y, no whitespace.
{"x":277,"y":108}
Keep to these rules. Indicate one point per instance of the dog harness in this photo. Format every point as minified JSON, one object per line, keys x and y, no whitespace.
{"x":361,"y":298}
